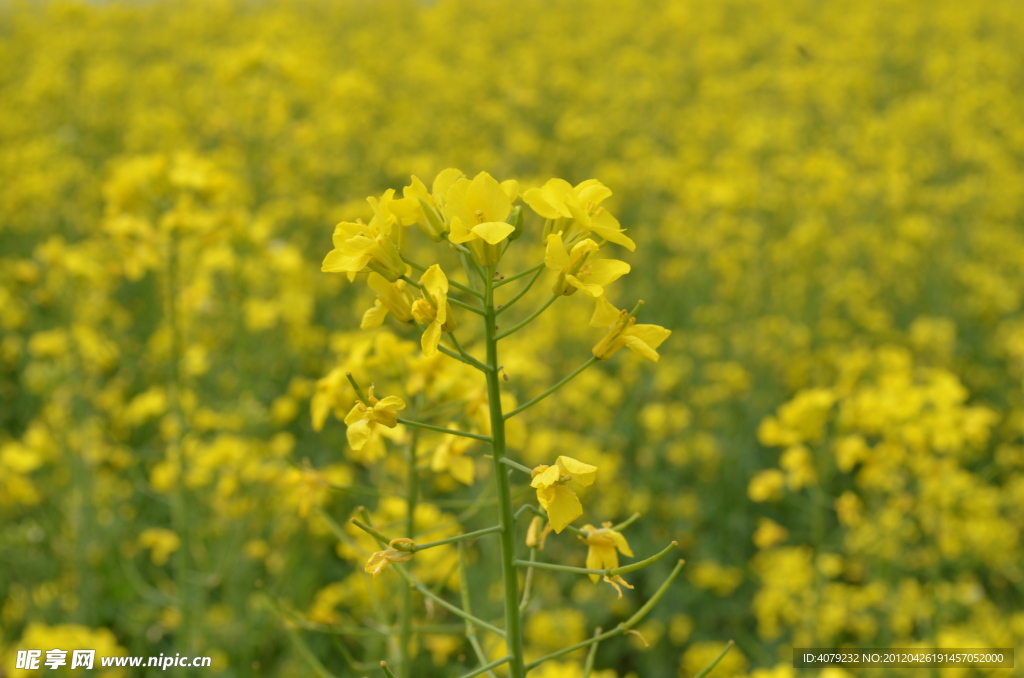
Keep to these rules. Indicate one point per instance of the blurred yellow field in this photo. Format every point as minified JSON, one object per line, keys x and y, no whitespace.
{"x":818,"y":405}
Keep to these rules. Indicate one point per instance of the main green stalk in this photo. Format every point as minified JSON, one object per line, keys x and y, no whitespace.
{"x":513,"y":627}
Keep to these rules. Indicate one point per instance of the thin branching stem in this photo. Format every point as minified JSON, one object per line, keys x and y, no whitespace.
{"x":442,"y":429}
{"x":545,"y":394}
{"x":517,"y":276}
{"x":529,"y":319}
{"x":511,"y":302}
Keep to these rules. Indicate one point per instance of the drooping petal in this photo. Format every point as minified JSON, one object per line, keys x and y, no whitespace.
{"x":644,"y":339}
{"x":620,"y":543}
{"x":443,"y":181}
{"x":431,"y":338}
{"x":358,"y":433}
{"x":538,"y":202}
{"x":374,"y":317}
{"x":607,"y":226}
{"x":493,"y":231}
{"x":562,"y":505}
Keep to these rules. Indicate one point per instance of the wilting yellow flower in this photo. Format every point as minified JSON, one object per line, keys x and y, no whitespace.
{"x":605,"y":545}
{"x":576,"y":210}
{"x":623,"y":331}
{"x":536,"y":535}
{"x":379,"y":561}
{"x":423,"y":208}
{"x":364,"y":416}
{"x":392,"y":297}
{"x":478,"y":212}
{"x":358,"y":246}
{"x":576,"y":269}
{"x":433,"y":310}
{"x":554,"y":492}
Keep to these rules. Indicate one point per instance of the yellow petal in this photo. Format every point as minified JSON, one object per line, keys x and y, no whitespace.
{"x":493,"y":231}
{"x":458,"y":232}
{"x":594,"y":562}
{"x":444,"y":180}
{"x":606,"y":271}
{"x":511,"y":189}
{"x":607,"y":226}
{"x":644,"y":339}
{"x":537,"y":201}
{"x":620,"y":543}
{"x":563,"y":507}
{"x":555,"y":254}
{"x":583,"y":474}
{"x":354,"y":415}
{"x":605,"y":315}
{"x":641,"y":348}
{"x":390,"y":403}
{"x":593,"y":289}
{"x":592,"y":191}
{"x":373,"y":316}
{"x":485,"y":194}
{"x":431,"y":337}
{"x":546,"y":478}
{"x":435,"y":282}
{"x":358,"y":433}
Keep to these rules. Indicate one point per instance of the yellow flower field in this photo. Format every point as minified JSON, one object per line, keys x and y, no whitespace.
{"x":248,"y":414}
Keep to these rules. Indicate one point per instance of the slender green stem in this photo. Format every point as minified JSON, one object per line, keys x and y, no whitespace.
{"x":551,"y":390}
{"x":462,"y":359}
{"x":459,"y":537}
{"x":387,"y":672}
{"x":451,"y":300}
{"x":541,"y":565}
{"x":528,"y":582}
{"x":474,"y":642}
{"x":527,"y":321}
{"x":411,"y":496}
{"x":516,"y":465}
{"x":621,"y":628}
{"x":355,"y":387}
{"x":511,"y":302}
{"x":533,"y":509}
{"x":441,"y":429}
{"x":456,"y":285}
{"x":588,"y":665}
{"x":510,"y":576}
{"x":446,"y":605}
{"x":382,"y":538}
{"x":609,"y":572}
{"x":646,"y":562}
{"x":707,"y":669}
{"x":626,"y":523}
{"x":465,"y":354}
{"x":485,"y":669}
{"x":517,"y":276}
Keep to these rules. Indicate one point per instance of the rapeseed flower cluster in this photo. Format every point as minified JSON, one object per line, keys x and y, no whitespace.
{"x":821,"y":202}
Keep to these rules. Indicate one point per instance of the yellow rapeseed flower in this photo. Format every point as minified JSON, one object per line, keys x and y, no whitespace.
{"x":554,"y":492}
{"x":578,"y":270}
{"x":426,"y":208}
{"x":478,"y":211}
{"x":358,"y":246}
{"x":392,"y":297}
{"x":379,"y":561}
{"x":623,"y":331}
{"x":364,"y":416}
{"x":433,"y":310}
{"x":604,"y":546}
{"x":577,"y":211}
